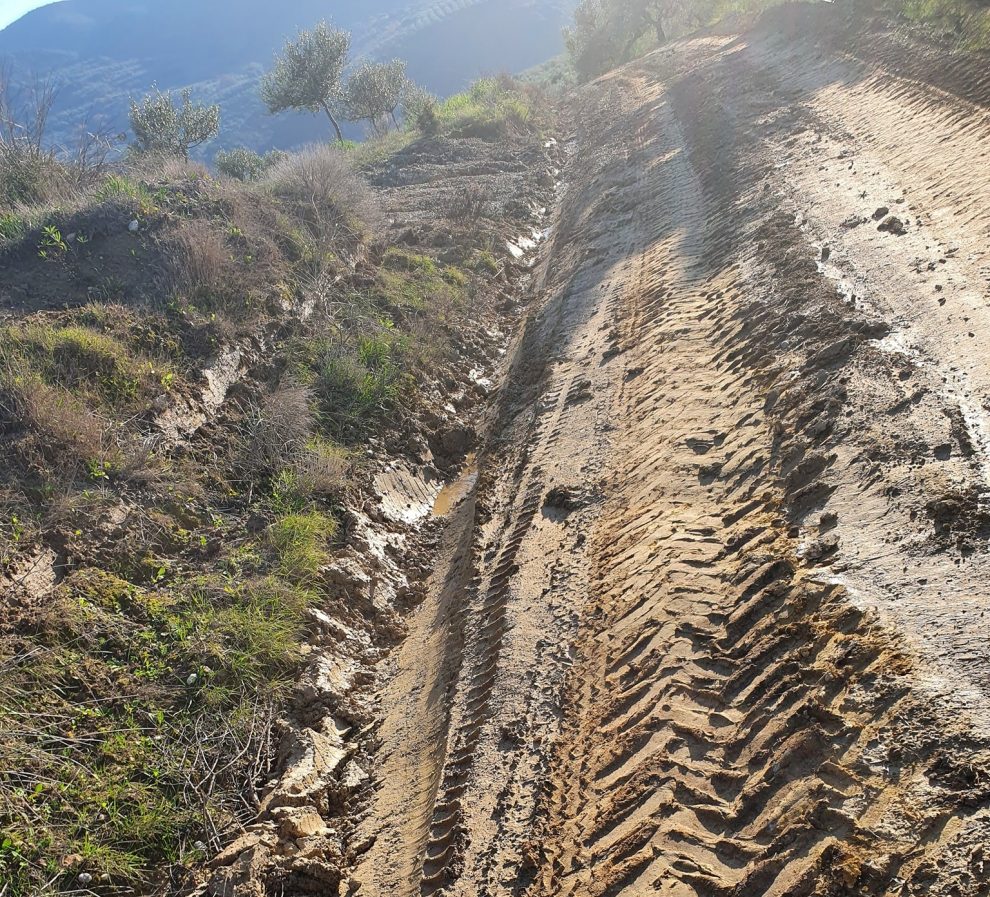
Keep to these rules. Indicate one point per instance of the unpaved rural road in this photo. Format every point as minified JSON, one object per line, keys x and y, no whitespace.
{"x":713,"y":620}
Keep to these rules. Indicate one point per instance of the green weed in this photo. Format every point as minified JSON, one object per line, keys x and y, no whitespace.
{"x":52,"y":244}
{"x":300,"y":541}
{"x":12,"y":227}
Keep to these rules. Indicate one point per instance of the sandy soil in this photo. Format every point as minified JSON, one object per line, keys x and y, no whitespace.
{"x":713,"y":619}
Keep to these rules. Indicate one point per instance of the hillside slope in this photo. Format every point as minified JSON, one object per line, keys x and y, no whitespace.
{"x":102,"y":52}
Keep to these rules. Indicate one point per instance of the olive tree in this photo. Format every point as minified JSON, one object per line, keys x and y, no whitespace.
{"x":244,"y":164}
{"x":307,"y":75}
{"x":374,"y":93}
{"x":607,"y":32}
{"x":162,"y":125}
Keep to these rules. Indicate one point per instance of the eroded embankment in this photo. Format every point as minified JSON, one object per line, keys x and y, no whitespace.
{"x":725,"y":631}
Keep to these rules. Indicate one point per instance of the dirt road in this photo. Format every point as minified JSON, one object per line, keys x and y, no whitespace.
{"x":713,"y":619}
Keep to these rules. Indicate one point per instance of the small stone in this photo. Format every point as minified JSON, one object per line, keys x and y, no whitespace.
{"x":85,"y":879}
{"x":134,"y":226}
{"x":893,"y":225}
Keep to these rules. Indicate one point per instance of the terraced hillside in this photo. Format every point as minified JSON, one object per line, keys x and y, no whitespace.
{"x":103,"y":52}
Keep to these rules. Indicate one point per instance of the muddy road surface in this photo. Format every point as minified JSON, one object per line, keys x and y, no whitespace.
{"x":711,"y":615}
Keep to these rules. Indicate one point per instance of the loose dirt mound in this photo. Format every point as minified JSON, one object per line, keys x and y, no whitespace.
{"x":714,"y":620}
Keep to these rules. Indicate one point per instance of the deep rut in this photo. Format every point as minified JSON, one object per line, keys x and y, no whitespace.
{"x":674,"y":671}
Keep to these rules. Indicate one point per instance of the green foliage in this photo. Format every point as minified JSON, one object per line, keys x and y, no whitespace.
{"x":355,"y":385}
{"x":307,"y":75}
{"x":86,"y":361}
{"x":246,"y":165}
{"x":485,"y":261}
{"x":52,"y":244}
{"x":374,"y":93}
{"x":607,"y":33}
{"x":379,"y":148}
{"x":492,"y":108}
{"x":12,"y":227}
{"x":421,"y":111}
{"x":300,"y":541}
{"x":411,"y":280}
{"x":165,"y":127}
{"x":129,"y":736}
{"x":118,"y":186}
{"x":247,"y":635}
{"x":967,"y":20}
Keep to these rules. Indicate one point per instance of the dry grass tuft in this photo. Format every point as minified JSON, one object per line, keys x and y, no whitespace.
{"x":201,"y":262}
{"x":326,"y":193}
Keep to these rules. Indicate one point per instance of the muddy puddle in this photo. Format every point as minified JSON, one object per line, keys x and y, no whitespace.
{"x":455,"y":492}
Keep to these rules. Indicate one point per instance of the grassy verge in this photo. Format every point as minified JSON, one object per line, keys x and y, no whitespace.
{"x":137,"y":701}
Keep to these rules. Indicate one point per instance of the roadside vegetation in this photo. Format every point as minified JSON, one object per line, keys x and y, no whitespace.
{"x":607,"y":33}
{"x":139,"y":694}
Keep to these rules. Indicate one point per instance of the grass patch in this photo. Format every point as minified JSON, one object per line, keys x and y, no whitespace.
{"x":490,"y":109}
{"x":356,"y":387}
{"x":87,"y":361}
{"x":300,"y":540}
{"x":119,"y":186}
{"x":377,"y":150}
{"x":135,"y":722}
{"x":412,"y":280}
{"x":12,"y":227}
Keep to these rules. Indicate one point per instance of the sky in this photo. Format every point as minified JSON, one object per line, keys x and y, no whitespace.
{"x":14,"y":9}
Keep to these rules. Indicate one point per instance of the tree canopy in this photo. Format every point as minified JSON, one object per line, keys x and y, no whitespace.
{"x":172,"y":129}
{"x":607,"y":32}
{"x":375,"y":91}
{"x":307,"y":74}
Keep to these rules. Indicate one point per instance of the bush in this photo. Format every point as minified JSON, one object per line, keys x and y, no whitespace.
{"x":201,"y":262}
{"x":427,"y":119}
{"x":492,"y":109}
{"x":246,"y":165}
{"x":31,"y":178}
{"x":326,"y":192}
{"x":278,"y":429}
{"x":166,"y":128}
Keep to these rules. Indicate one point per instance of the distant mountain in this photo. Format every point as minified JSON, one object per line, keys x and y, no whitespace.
{"x":103,"y":52}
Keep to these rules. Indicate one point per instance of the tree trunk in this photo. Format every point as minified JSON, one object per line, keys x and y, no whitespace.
{"x":333,"y":121}
{"x":395,"y":121}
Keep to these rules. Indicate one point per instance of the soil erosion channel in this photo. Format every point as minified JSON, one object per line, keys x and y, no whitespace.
{"x":711,"y":616}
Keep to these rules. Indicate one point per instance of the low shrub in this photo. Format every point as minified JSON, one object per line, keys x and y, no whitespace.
{"x":201,"y":263}
{"x":29,"y":177}
{"x":243,"y":164}
{"x":491,"y":109}
{"x":326,"y":192}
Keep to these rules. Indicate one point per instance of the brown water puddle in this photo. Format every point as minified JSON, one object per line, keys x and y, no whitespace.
{"x":455,"y":492}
